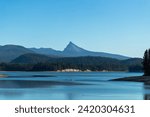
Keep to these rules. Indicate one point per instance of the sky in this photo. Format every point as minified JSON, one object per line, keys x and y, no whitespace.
{"x":113,"y":26}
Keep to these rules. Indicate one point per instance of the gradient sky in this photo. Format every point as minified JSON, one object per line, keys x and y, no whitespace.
{"x":115,"y":26}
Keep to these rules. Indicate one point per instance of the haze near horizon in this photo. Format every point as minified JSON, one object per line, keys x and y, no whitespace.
{"x":118,"y":26}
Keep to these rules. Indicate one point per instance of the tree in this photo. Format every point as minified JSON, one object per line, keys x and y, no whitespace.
{"x":146,"y":63}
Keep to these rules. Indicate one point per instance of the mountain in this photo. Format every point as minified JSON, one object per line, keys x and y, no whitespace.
{"x":39,"y":58}
{"x":73,"y":50}
{"x":31,"y":58}
{"x":43,"y":62}
{"x":10,"y":52}
{"x":71,"y":47}
{"x":47,"y":51}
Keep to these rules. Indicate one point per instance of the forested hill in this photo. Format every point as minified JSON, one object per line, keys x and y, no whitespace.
{"x":32,"y":59}
{"x":37,"y":62}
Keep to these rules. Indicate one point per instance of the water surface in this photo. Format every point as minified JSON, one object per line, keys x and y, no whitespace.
{"x":70,"y":86}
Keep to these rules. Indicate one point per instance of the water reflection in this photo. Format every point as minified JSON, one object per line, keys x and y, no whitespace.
{"x":147,"y":92}
{"x":147,"y":97}
{"x":33,"y":84}
{"x":11,"y":94}
{"x":69,"y":86}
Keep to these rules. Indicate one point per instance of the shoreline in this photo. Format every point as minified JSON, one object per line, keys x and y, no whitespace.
{"x":2,"y":75}
{"x":144,"y":79}
{"x":71,"y":71}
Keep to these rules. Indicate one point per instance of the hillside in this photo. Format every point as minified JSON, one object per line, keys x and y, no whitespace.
{"x":82,"y":63}
{"x":10,"y":52}
{"x":133,"y":61}
{"x":72,"y":50}
{"x":31,"y":59}
{"x":47,"y":51}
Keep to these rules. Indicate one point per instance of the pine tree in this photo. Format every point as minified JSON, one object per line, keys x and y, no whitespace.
{"x":146,"y":63}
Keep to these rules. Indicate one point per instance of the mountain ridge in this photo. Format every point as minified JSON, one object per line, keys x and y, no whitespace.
{"x":78,"y":51}
{"x":72,"y":50}
{"x":10,"y":52}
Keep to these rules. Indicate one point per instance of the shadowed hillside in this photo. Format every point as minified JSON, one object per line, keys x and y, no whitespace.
{"x":38,"y":62}
{"x":10,"y":52}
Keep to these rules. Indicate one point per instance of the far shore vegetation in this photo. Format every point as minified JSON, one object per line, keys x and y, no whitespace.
{"x":35,"y":63}
{"x":146,"y":67}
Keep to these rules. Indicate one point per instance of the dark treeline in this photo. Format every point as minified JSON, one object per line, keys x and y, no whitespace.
{"x":81,"y":63}
{"x":146,"y":62}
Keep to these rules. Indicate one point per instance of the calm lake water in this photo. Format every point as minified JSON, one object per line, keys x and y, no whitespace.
{"x":70,"y":86}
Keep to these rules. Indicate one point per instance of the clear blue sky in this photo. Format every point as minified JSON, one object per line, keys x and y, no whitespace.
{"x":115,"y":26}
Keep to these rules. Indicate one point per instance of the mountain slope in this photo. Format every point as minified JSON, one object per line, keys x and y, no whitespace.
{"x":47,"y":51}
{"x":73,"y":50}
{"x":83,"y":63}
{"x":88,"y":60}
{"x":71,"y":47}
{"x":10,"y":52}
{"x":31,"y":59}
{"x":133,"y":61}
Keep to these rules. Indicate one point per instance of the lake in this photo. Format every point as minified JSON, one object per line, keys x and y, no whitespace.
{"x":70,"y":86}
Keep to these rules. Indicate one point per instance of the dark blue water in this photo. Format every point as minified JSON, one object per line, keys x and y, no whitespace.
{"x":70,"y":86}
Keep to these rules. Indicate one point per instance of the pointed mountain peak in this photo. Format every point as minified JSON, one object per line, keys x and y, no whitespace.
{"x":71,"y":47}
{"x":71,"y":44}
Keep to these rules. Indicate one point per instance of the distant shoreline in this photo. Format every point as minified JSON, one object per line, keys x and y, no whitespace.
{"x":2,"y":76}
{"x":68,"y":71}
